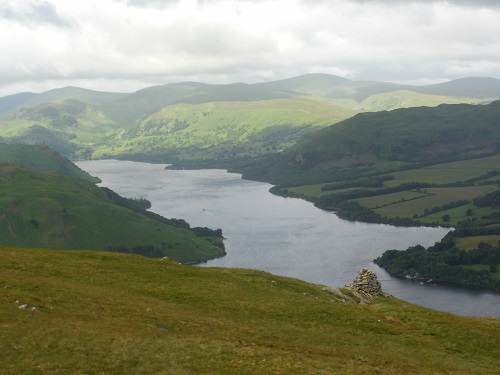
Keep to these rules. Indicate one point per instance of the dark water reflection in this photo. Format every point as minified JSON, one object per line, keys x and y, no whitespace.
{"x":285,"y":236}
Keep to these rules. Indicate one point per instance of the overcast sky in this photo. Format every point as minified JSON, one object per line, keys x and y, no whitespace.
{"x":125,"y":45}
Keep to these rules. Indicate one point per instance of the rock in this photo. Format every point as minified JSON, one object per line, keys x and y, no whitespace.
{"x":367,"y":285}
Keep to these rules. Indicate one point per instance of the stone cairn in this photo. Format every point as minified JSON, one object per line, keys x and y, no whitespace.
{"x":367,"y":285}
{"x":364,"y":288}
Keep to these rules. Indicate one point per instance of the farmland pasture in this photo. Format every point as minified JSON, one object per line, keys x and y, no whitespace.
{"x":469,"y":243}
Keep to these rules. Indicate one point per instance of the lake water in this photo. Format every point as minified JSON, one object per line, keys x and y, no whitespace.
{"x":285,"y":236}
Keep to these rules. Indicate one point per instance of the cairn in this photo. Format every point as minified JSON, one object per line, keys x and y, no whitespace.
{"x":364,"y":289}
{"x":367,"y":286}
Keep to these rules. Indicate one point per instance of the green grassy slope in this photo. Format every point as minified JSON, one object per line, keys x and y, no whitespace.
{"x":67,"y":126}
{"x":226,"y":129}
{"x":42,"y":159}
{"x":56,"y":211}
{"x":99,"y":312}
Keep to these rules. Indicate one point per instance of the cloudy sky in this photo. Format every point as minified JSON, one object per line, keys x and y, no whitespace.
{"x":124,"y":45}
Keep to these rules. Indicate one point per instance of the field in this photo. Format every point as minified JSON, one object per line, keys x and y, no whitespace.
{"x":469,"y":243}
{"x":410,"y":203}
{"x":449,"y":172}
{"x":101,"y":313}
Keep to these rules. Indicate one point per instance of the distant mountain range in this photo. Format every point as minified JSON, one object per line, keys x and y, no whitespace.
{"x":197,"y":121}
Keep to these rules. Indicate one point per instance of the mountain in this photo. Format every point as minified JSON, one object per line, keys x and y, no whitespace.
{"x":10,"y":104}
{"x":478,"y":87}
{"x":42,"y":159}
{"x":315,"y":84}
{"x":47,"y":209}
{"x":7,"y":103}
{"x":97,"y":312}
{"x":66,"y":125}
{"x":82,"y":123}
{"x":387,"y":139}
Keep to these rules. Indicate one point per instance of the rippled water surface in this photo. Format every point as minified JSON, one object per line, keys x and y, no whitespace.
{"x":285,"y":236}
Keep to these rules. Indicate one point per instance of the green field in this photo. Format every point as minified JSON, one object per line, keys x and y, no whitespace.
{"x":468,"y":243}
{"x":449,"y":172}
{"x":414,"y":202}
{"x":409,"y":203}
{"x":101,"y":313}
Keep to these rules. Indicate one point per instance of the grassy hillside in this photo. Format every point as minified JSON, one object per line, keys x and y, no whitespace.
{"x":226,"y":129}
{"x":67,"y":126}
{"x":42,"y":159}
{"x":61,"y":212}
{"x":96,"y":312}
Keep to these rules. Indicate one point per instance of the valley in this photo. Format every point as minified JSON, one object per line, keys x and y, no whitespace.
{"x":419,"y":159}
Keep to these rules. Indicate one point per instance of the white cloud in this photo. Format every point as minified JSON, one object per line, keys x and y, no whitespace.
{"x":123,"y":45}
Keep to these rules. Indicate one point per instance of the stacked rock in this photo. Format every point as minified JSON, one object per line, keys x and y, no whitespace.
{"x":366,"y":284}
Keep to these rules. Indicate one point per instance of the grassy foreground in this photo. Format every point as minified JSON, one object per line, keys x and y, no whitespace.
{"x":76,"y":312}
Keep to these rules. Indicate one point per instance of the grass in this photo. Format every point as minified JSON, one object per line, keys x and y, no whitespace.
{"x":225,"y":129}
{"x":41,"y":158}
{"x":409,"y":203}
{"x":449,"y":172}
{"x":469,"y":243}
{"x":100,"y":312}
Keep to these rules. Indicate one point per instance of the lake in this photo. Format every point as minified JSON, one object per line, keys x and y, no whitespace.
{"x":285,"y":236}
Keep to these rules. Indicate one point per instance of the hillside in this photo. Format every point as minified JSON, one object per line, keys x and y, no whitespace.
{"x":224,"y":130}
{"x":42,"y":159}
{"x":97,"y":312}
{"x":60,"y":212}
{"x":84,"y":124}
{"x":375,"y":142}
